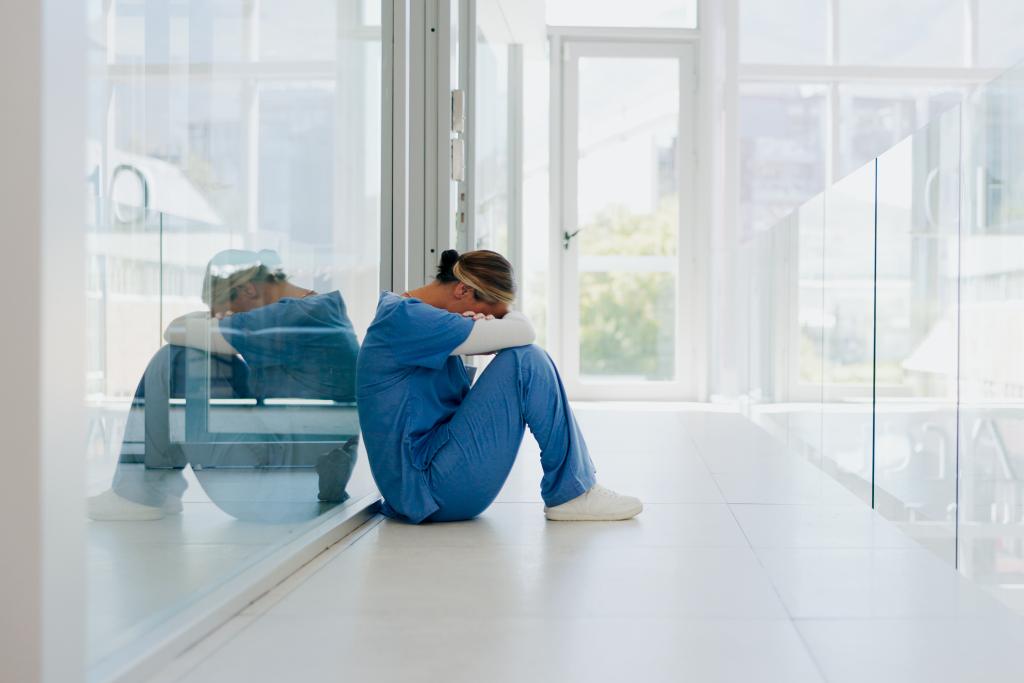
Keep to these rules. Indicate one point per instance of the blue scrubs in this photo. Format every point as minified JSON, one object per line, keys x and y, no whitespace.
{"x":440,"y":451}
{"x":297,"y":348}
{"x":293,"y":348}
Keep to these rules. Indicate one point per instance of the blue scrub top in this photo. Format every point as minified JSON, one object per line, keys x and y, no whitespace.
{"x":297,"y":348}
{"x":408,"y":387}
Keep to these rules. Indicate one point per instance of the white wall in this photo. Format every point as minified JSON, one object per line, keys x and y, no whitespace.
{"x":41,"y":182}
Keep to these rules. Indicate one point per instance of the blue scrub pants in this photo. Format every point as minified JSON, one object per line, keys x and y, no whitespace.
{"x":149,"y":470}
{"x":520,"y":388}
{"x":150,"y":465}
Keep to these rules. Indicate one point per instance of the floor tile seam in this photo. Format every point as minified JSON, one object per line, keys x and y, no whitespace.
{"x":198,"y":544}
{"x":307,"y":571}
{"x":718,"y":487}
{"x":857,"y":504}
{"x":544,"y":544}
{"x":429,"y":616}
{"x":698,"y":451}
{"x":903,"y":615}
{"x":923,"y":552}
{"x":426,"y":616}
{"x":646,"y":503}
{"x":804,"y":643}
{"x":828,"y":506}
{"x":764,"y":571}
{"x":819,"y":666}
{"x":934,"y":563}
{"x":775,"y":589}
{"x":191,"y":667}
{"x":945,"y":618}
{"x":832,"y":547}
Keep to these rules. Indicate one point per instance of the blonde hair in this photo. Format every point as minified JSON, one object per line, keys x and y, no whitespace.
{"x":234,"y":268}
{"x":487,"y":273}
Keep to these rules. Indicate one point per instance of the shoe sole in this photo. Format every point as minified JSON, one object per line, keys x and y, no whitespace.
{"x":562,"y":517}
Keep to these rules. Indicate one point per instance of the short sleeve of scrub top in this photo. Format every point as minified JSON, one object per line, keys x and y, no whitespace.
{"x":425,"y":336}
{"x":298,"y":347}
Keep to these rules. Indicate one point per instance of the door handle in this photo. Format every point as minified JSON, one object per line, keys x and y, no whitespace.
{"x":567,"y":237}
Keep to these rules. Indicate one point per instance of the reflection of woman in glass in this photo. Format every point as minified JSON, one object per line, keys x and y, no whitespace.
{"x":267,"y":338}
{"x":441,"y":451}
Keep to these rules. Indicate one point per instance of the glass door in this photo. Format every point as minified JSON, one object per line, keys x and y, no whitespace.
{"x":627,"y":219}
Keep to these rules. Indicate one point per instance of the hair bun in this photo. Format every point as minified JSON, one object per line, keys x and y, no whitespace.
{"x":449,"y":257}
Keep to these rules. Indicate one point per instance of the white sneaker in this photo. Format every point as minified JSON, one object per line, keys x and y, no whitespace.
{"x":110,"y":507}
{"x":599,"y":504}
{"x":172,"y":506}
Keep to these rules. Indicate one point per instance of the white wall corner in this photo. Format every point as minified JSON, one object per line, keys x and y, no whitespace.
{"x":42,"y":58}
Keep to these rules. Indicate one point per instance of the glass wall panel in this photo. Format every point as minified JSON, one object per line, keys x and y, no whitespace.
{"x":807,"y":356}
{"x":905,"y":33}
{"x":905,"y":314}
{"x":874,"y":116}
{"x":769,"y":34}
{"x":783,"y":153}
{"x":991,"y":329}
{"x":803,"y":358}
{"x":916,"y":339}
{"x":783,"y":272}
{"x":233,"y":252}
{"x":847,"y":319}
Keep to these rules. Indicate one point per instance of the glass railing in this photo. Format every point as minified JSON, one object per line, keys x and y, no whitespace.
{"x":222,"y":417}
{"x":885,"y":325}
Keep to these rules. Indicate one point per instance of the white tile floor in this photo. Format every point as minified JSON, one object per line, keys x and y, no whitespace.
{"x":139,"y":574}
{"x":747,"y":565}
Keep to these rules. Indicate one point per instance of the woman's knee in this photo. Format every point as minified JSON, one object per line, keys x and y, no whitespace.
{"x":532,"y":359}
{"x":530,"y":352}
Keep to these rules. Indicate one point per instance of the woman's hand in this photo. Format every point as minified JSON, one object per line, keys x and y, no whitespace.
{"x":477,"y":316}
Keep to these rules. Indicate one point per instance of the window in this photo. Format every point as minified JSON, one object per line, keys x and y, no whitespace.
{"x":878,"y":70}
{"x":771,"y":36}
{"x":782,"y":149}
{"x":904,"y":33}
{"x":650,"y":13}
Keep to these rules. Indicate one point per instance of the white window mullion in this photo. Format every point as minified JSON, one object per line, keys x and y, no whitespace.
{"x":971,"y":33}
{"x":555,"y":187}
{"x":832,"y":42}
{"x":832,"y":150}
{"x":467,"y":78}
{"x":515,"y":156}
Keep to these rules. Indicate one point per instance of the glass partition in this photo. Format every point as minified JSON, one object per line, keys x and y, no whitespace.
{"x":847,"y":339}
{"x":233,"y":260}
{"x":916,"y":316}
{"x":885,"y":347}
{"x":782,"y":291}
{"x":991,"y":425}
{"x":799,"y":381}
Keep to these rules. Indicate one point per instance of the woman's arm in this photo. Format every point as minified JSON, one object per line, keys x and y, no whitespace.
{"x":194,"y":329}
{"x":488,"y":336}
